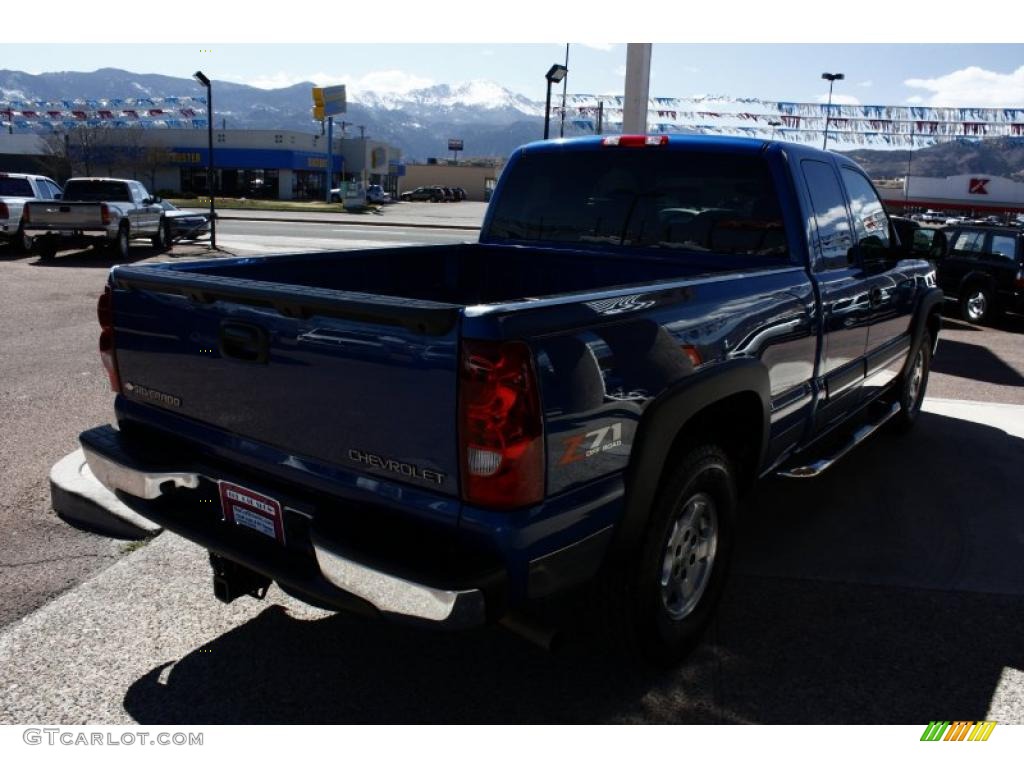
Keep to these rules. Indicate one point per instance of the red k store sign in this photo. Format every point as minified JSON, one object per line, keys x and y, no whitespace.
{"x":978,"y":186}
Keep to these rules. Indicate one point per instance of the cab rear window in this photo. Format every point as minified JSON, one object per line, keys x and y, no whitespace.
{"x":697,"y":201}
{"x":97,"y":191}
{"x":15,"y":188}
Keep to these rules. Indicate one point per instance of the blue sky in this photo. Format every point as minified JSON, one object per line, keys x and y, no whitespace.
{"x":940,"y":75}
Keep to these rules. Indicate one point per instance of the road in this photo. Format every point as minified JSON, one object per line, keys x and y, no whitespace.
{"x":264,"y":237}
{"x":899,"y":601}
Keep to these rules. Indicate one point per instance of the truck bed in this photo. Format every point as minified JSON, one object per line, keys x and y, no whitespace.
{"x":462,"y":275}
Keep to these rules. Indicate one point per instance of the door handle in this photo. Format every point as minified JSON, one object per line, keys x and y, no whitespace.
{"x":245,"y":342}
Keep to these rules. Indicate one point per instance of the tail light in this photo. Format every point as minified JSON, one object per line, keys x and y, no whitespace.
{"x":1020,"y":278}
{"x":105,"y":213}
{"x":634,"y":140}
{"x":5,"y":211}
{"x":105,"y":313}
{"x":500,"y":426}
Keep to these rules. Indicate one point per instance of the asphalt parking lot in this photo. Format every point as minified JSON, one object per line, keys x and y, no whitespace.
{"x":901,"y":600}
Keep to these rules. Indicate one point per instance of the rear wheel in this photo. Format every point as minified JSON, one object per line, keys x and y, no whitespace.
{"x":46,"y":247}
{"x":162,"y":238}
{"x":976,"y":304}
{"x":121,"y":245}
{"x":23,"y":241}
{"x":662,"y":602}
{"x":913,"y":386}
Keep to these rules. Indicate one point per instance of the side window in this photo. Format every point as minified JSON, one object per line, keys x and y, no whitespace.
{"x":870,"y":223}
{"x":42,"y":189}
{"x":968,"y":243}
{"x":833,"y":225}
{"x":53,"y":188}
{"x":1004,"y":246}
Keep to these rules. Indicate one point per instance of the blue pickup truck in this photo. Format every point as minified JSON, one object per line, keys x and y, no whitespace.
{"x":448,"y":434}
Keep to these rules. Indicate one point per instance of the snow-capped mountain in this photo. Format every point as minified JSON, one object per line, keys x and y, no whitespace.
{"x":490,"y":119}
{"x":482,"y":98}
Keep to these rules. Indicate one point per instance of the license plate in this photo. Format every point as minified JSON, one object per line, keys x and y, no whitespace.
{"x":249,"y":509}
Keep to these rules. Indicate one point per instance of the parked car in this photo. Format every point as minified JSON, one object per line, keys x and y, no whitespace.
{"x":16,"y":189}
{"x":375,"y":194}
{"x":581,"y":397}
{"x":432,"y":194}
{"x":460,"y":193}
{"x":97,"y":211}
{"x":917,"y":241}
{"x":187,"y":225}
{"x":983,"y":268}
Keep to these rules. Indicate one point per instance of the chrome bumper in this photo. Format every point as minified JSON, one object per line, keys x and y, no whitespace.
{"x":393,"y":594}
{"x":135,"y":482}
{"x":386,"y":592}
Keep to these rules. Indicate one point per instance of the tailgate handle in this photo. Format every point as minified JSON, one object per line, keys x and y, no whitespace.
{"x":244,"y":342}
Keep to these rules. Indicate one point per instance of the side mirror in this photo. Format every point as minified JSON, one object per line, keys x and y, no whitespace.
{"x":156,"y":199}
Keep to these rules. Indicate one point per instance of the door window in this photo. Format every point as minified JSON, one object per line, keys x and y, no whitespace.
{"x":869,"y":220}
{"x":1004,"y":246}
{"x":968,"y":243}
{"x":833,"y":225}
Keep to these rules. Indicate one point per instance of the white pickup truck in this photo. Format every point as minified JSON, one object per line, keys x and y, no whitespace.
{"x":16,"y":189}
{"x":99,"y":212}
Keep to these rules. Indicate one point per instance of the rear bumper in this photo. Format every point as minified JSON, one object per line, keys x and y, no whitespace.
{"x":317,"y":566}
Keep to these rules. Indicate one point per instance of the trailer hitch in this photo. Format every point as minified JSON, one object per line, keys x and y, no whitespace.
{"x":231,"y":580}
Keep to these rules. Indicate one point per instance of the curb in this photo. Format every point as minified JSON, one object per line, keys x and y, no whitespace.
{"x":343,"y":222}
{"x":79,"y":498}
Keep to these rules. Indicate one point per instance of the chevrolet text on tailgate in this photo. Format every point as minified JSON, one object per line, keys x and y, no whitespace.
{"x":448,"y":434}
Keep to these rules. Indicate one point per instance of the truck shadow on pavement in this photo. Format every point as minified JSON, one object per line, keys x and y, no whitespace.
{"x":975,"y":362}
{"x":889,"y":590}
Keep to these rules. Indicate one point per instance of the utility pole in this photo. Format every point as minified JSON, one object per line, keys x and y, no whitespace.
{"x":637,"y":88}
{"x":565,"y":86}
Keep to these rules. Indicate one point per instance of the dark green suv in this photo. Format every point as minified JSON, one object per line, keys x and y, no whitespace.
{"x":983,"y":268}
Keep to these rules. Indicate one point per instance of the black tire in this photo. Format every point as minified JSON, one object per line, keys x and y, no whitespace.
{"x":657,"y":621}
{"x":977,"y":304}
{"x":162,"y":239}
{"x":46,"y":247}
{"x":22,"y":241}
{"x":912,"y":387}
{"x":120,"y":246}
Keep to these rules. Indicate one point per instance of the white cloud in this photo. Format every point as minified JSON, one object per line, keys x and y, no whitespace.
{"x":619,"y":71}
{"x":972,"y":87}
{"x":915,"y":100}
{"x":598,"y":46}
{"x":387,"y":81}
{"x":838,"y":98}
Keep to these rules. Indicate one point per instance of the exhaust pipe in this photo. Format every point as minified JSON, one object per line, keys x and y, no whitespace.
{"x":528,"y":629}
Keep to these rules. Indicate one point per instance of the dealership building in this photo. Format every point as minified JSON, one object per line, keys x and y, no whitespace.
{"x":972,"y":193}
{"x":283,"y":165}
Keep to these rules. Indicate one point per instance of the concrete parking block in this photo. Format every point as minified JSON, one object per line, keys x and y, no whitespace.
{"x":79,"y":498}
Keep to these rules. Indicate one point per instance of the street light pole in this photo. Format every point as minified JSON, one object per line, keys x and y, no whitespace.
{"x":204,"y":80}
{"x":554,"y":75}
{"x":774,"y":124}
{"x":831,"y":77}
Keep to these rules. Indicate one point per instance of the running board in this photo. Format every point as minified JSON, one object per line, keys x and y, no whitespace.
{"x":816,"y":468}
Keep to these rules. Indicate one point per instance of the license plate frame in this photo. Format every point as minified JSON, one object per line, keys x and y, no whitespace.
{"x":252,"y":510}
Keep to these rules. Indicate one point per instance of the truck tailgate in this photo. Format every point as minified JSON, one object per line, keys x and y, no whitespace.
{"x":57,"y":214}
{"x":362,"y":382}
